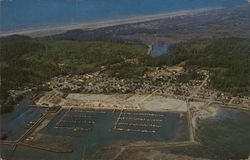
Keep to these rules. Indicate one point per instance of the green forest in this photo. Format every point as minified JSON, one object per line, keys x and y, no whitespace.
{"x":28,"y":62}
{"x":228,"y":60}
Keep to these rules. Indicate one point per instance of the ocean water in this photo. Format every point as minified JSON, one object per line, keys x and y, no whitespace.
{"x":26,"y":14}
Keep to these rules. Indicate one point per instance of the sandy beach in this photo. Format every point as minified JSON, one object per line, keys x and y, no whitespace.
{"x":39,"y":32}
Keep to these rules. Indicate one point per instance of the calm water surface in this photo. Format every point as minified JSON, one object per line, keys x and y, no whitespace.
{"x":26,"y":14}
{"x":159,"y":49}
{"x":173,"y":126}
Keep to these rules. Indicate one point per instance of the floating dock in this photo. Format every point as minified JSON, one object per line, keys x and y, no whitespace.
{"x":142,"y":114}
{"x":139,"y":125}
{"x":140,"y":119}
{"x":135,"y":130}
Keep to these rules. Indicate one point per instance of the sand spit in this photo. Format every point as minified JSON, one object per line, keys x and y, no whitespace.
{"x":95,"y":25}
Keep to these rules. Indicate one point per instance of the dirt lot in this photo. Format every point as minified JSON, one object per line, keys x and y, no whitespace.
{"x":159,"y":103}
{"x":125,"y":101}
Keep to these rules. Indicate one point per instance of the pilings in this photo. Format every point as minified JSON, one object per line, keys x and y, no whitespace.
{"x":80,"y":116}
{"x":139,"y":125}
{"x":143,"y":114}
{"x":73,"y":128}
{"x":87,"y":111}
{"x":135,"y":130}
{"x":78,"y":121}
{"x":139,"y":122}
{"x":140,"y":119}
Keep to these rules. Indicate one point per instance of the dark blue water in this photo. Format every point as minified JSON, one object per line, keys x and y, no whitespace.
{"x":14,"y":124}
{"x":159,"y":49}
{"x":26,"y":14}
{"x":173,"y":127}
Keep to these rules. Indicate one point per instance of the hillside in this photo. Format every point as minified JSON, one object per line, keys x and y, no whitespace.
{"x":28,"y":62}
{"x":228,"y":60}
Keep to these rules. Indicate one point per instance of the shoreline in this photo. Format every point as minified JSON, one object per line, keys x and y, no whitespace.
{"x":46,"y":31}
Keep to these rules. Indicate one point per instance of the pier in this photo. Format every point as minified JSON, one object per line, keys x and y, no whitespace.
{"x":135,"y":130}
{"x":139,"y":124}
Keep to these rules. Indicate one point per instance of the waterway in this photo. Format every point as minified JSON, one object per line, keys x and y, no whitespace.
{"x":86,"y":144}
{"x":159,"y":49}
{"x":227,"y":132}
